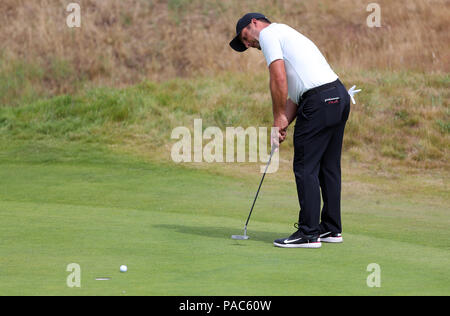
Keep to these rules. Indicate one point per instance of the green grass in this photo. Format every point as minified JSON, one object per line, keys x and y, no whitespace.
{"x":172,"y":225}
{"x":87,"y":178}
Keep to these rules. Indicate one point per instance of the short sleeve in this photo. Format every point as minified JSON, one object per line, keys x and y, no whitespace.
{"x":270,"y":45}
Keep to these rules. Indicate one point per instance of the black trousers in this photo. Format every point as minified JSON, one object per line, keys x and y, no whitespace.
{"x":318,"y":135}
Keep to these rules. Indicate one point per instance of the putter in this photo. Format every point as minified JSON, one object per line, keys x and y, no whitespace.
{"x":245,"y":237}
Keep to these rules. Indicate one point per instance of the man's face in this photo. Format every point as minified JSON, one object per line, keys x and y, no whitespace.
{"x":250,"y":35}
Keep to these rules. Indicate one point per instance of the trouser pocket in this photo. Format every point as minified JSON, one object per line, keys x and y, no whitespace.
{"x":334,"y":103}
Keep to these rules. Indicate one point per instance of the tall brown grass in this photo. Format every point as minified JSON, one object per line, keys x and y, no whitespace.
{"x":123,"y":42}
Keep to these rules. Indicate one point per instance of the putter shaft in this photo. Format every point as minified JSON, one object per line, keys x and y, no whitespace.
{"x":256,"y":196}
{"x":243,"y":237}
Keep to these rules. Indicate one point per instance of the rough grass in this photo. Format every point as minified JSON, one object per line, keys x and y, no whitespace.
{"x":169,"y":62}
{"x":399,"y":120}
{"x":124,"y":42}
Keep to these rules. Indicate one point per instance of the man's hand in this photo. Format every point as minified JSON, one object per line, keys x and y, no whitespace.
{"x":282,"y":123}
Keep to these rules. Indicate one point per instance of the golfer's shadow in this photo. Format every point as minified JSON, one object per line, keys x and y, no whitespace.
{"x":221,"y":232}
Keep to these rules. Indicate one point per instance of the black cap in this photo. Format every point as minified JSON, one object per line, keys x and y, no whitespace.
{"x":236,"y":43}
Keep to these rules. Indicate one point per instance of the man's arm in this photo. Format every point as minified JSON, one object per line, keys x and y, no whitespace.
{"x":279,"y":92}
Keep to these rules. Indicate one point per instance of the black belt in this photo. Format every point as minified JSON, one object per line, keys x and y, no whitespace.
{"x":318,"y":89}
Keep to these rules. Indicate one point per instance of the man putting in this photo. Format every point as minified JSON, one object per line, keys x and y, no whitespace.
{"x":304,"y":86}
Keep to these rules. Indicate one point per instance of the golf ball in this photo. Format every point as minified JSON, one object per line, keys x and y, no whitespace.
{"x":123,"y":268}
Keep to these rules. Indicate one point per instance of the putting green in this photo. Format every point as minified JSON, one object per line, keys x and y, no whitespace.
{"x":172,"y":227}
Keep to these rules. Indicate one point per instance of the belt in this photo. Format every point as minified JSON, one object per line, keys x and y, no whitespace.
{"x":318,"y":89}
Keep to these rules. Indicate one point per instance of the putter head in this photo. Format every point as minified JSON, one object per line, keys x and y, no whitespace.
{"x":240,"y":237}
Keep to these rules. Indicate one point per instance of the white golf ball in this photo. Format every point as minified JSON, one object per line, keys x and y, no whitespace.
{"x":123,"y":268}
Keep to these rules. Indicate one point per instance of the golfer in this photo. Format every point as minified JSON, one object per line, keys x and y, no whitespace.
{"x":304,"y":86}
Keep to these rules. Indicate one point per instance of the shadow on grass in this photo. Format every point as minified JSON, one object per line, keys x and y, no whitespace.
{"x":222,"y":232}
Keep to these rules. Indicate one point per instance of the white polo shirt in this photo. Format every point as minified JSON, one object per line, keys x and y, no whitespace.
{"x":306,"y":67}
